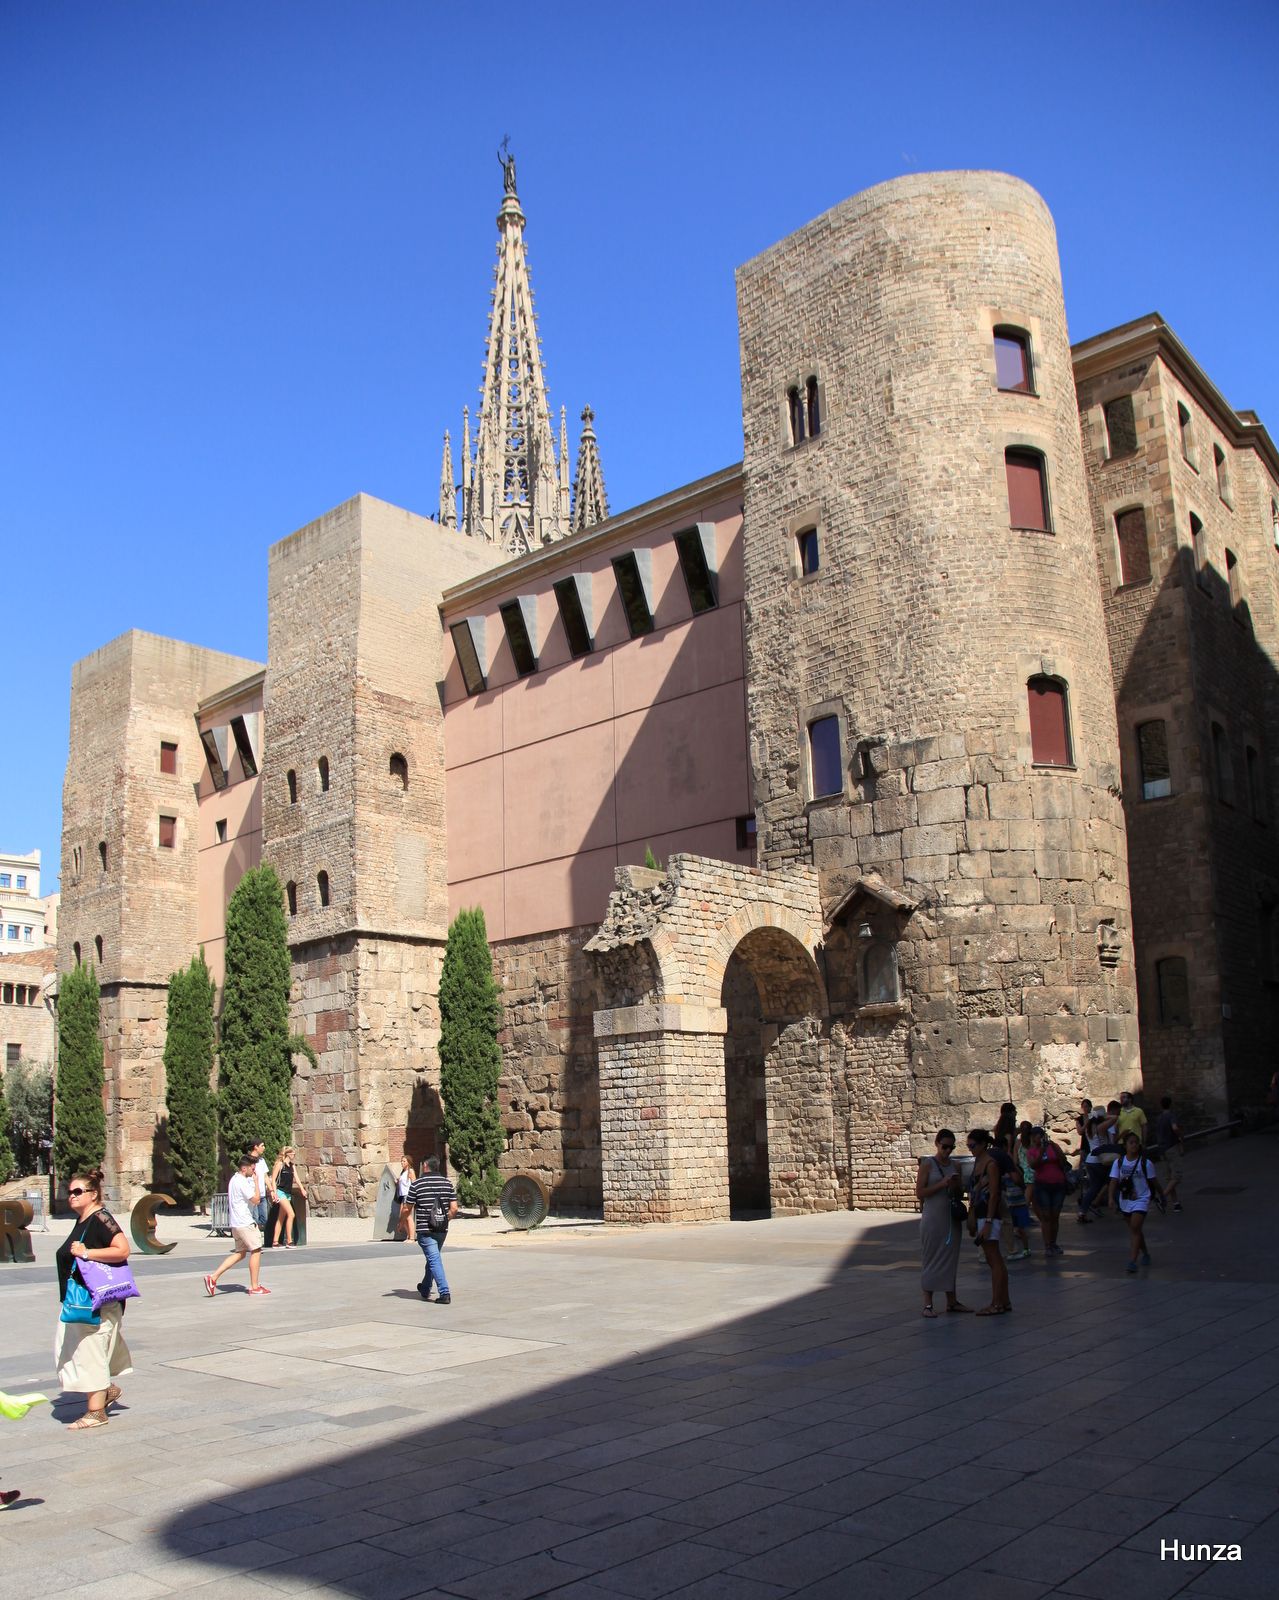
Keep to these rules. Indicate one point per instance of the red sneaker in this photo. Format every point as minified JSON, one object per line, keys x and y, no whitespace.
{"x":210,"y":1284}
{"x":259,"y":1290}
{"x":9,"y":1496}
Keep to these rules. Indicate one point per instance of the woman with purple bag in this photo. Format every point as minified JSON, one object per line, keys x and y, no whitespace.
{"x":91,"y":1349}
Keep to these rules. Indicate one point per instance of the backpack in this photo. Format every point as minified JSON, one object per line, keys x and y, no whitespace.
{"x":437,"y":1215}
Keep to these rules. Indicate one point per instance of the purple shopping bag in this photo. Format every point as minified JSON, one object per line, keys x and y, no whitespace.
{"x":106,"y":1283}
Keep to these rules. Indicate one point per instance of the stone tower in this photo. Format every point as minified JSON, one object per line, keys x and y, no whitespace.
{"x":515,"y":488}
{"x":930,"y":700}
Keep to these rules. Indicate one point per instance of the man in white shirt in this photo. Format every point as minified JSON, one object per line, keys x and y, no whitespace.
{"x":243,"y":1193}
{"x":266,"y":1190}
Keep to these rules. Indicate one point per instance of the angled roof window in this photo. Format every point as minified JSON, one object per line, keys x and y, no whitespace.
{"x":216,"y":744}
{"x":699,"y":563}
{"x":634,"y":574}
{"x":468,"y":642}
{"x":246,"y":731}
{"x":519,"y":618}
{"x":573,"y":597}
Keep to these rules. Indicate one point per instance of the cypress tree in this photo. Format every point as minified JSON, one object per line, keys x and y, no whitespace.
{"x":80,"y":1125}
{"x":7,"y":1162}
{"x":188,"y":1071}
{"x":471,"y":1061}
{"x":255,"y":1069}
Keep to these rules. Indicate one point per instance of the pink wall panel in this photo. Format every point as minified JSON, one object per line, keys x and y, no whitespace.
{"x":559,"y":894}
{"x":698,"y":654}
{"x":485,"y":893}
{"x":715,"y":839}
{"x":472,"y":729}
{"x":682,"y":763}
{"x":559,"y":796}
{"x":473,"y":801}
{"x":550,"y":703}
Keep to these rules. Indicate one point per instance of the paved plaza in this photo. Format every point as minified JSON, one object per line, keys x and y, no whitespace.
{"x":748,"y":1411}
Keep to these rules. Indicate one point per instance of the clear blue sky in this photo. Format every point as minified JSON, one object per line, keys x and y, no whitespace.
{"x":248,"y":246}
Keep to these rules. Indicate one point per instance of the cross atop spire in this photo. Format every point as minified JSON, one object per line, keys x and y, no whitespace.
{"x":515,"y":489}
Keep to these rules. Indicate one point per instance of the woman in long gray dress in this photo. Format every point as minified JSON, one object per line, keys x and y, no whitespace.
{"x":938,"y":1184}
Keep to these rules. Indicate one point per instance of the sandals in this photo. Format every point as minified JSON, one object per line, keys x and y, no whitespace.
{"x":957,"y":1308}
{"x":929,"y":1312}
{"x":994,"y":1311}
{"x":113,"y":1396}
{"x":90,"y":1419}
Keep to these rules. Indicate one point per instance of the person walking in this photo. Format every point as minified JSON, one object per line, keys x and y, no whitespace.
{"x":985,"y":1188}
{"x":244,"y":1195}
{"x":266,"y":1189}
{"x":286,"y":1183}
{"x":1096,"y":1166}
{"x":1133,"y":1185}
{"x":939,"y":1190}
{"x":1168,"y":1137}
{"x":92,"y":1354}
{"x":1048,"y":1163}
{"x":404,"y":1215}
{"x":434,"y":1206}
{"x":1131,"y":1118}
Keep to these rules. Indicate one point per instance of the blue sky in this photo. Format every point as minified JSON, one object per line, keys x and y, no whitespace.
{"x":248,"y":250}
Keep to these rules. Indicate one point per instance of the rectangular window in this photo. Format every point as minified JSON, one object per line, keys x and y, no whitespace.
{"x":809,"y":555}
{"x":22,"y":880}
{"x":795,"y":414}
{"x":12,"y":1055}
{"x":633,"y":573}
{"x":13,"y":930}
{"x":746,"y":832}
{"x":516,"y":616}
{"x":1027,"y":490}
{"x":825,"y":764}
{"x":1012,"y":360}
{"x":244,"y":745}
{"x":697,"y":561}
{"x":1134,"y":547}
{"x":572,"y":596}
{"x":6,"y":880}
{"x":219,"y":828}
{"x":217,"y":753}
{"x":1121,"y":427}
{"x":468,"y":643}
{"x":1223,"y":475}
{"x":1186,"y":428}
{"x":1174,"y":992}
{"x":1152,"y":756}
{"x":168,"y":832}
{"x":28,"y":935}
{"x":1234,"y":585}
{"x":168,"y":757}
{"x":1049,"y":723}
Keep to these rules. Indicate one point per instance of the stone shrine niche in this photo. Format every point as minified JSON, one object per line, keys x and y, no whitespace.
{"x":863,"y":930}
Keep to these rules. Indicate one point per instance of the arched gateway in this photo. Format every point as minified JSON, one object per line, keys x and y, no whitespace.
{"x":717,"y":1084}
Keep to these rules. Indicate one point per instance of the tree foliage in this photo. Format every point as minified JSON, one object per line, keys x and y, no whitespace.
{"x":255,"y":1067}
{"x":471,"y":1060}
{"x":7,"y":1163}
{"x":188,"y":1073}
{"x":80,"y":1125}
{"x":28,"y":1087}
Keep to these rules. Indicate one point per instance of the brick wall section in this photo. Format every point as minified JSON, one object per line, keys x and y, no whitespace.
{"x":126,"y":698}
{"x":927,"y":618}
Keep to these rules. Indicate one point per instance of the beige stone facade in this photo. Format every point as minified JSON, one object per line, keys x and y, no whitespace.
{"x":870,"y":699}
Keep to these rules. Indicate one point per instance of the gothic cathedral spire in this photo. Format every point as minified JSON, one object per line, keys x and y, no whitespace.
{"x":515,"y":489}
{"x":590,"y":502}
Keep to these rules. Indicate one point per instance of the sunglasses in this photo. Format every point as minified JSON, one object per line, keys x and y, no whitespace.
{"x":74,"y":1192}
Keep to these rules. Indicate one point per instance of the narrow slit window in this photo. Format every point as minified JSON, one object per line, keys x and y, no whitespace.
{"x":1186,"y":428}
{"x":1012,"y":360}
{"x":168,"y":757}
{"x":102,"y":854}
{"x":291,"y":779}
{"x":1199,"y":548}
{"x":812,"y":399}
{"x":634,"y":584}
{"x":825,"y":765}
{"x":168,"y":833}
{"x":468,"y":645}
{"x":1152,"y":757}
{"x":291,"y":895}
{"x":219,"y":828}
{"x":1173,"y":982}
{"x":1223,"y":474}
{"x":75,"y":951}
{"x":695,"y":548}
{"x":516,"y":617}
{"x":1222,"y":766}
{"x":322,"y":774}
{"x":1027,"y":490}
{"x":1049,"y":723}
{"x":807,"y":549}
{"x":1121,"y":427}
{"x":322,"y":887}
{"x":795,"y":412}
{"x":97,"y":948}
{"x":1234,"y":583}
{"x":399,"y":771}
{"x":1134,"y":546}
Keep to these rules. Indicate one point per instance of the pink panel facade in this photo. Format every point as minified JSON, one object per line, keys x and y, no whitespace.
{"x":556,"y":778}
{"x":235,"y":812}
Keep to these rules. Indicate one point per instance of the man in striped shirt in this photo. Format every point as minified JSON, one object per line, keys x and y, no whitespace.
{"x":434,"y":1206}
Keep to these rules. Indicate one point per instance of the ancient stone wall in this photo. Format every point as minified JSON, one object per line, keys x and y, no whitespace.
{"x":927,"y":616}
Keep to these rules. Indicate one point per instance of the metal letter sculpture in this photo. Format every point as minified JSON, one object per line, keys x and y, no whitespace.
{"x":15,"y":1240}
{"x":142,"y":1224}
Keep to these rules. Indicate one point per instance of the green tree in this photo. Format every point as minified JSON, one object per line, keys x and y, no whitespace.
{"x":7,"y":1164}
{"x":188,"y":1072}
{"x":255,"y":1054}
{"x":80,"y":1125}
{"x":29,"y":1091}
{"x":471,"y":1061}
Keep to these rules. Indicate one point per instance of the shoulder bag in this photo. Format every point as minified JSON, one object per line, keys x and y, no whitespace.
{"x":106,"y":1283}
{"x":77,"y":1303}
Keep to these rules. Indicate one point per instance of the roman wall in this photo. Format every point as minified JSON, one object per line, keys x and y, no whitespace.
{"x":928,"y":614}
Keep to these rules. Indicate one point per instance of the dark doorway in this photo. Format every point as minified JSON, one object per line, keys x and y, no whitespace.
{"x":745,"y":1096}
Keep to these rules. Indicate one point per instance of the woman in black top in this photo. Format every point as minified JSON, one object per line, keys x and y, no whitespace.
{"x":91,"y":1354}
{"x":285,"y":1181}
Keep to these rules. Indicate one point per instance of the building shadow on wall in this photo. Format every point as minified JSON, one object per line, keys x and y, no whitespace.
{"x":539,"y":1490}
{"x":1198,"y":702}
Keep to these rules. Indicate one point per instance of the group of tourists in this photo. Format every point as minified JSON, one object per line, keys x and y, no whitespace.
{"x":1019,"y":1170}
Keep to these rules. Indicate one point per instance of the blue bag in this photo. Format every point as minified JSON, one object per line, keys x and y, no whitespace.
{"x":77,"y":1304}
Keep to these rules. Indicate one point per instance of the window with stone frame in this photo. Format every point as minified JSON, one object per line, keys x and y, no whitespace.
{"x":291,"y":896}
{"x":1186,"y":431}
{"x":322,"y":774}
{"x":1050,"y":742}
{"x":804,"y":410}
{"x":1121,"y":427}
{"x":1222,"y":469}
{"x":168,"y":757}
{"x":322,"y":887}
{"x":825,"y":759}
{"x":880,"y":984}
{"x":1013,"y":372}
{"x":399,"y":771}
{"x":168,"y":832}
{"x":1133,"y":545}
{"x":1172,"y":984}
{"x":1234,"y":587}
{"x":1027,"y":478}
{"x":291,"y":781}
{"x":1199,"y":549}
{"x":1152,"y":759}
{"x":1223,"y":776}
{"x":807,"y":552}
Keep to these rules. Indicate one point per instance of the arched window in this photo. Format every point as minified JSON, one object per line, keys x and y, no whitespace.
{"x":1134,"y":547}
{"x":795,"y":411}
{"x":1027,"y":490}
{"x":97,"y":948}
{"x":322,"y":884}
{"x":291,"y":894}
{"x":75,"y":951}
{"x":291,"y":778}
{"x":322,"y":770}
{"x":102,"y":853}
{"x":399,"y":770}
{"x":1050,"y":744}
{"x":1173,"y":983}
{"x":812,"y":399}
{"x":879,"y":974}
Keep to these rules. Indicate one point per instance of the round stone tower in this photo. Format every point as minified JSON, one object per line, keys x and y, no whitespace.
{"x":931,"y":708}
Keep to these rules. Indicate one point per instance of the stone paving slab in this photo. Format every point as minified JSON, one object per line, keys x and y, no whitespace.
{"x":740,"y":1412}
